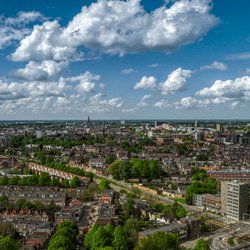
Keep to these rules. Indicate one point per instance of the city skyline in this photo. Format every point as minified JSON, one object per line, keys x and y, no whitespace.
{"x":166,"y":60}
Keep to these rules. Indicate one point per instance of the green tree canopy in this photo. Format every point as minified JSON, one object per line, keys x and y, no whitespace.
{"x":104,"y":184}
{"x":159,"y":241}
{"x":202,"y":244}
{"x":121,"y":239}
{"x":6,"y":243}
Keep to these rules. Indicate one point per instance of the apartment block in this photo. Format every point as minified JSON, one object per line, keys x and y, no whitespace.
{"x":234,"y":199}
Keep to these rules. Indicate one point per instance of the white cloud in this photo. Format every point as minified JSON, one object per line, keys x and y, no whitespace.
{"x":14,"y":28}
{"x":142,"y":103}
{"x":15,"y":90}
{"x":215,"y":65}
{"x":39,"y":70}
{"x":147,"y":82}
{"x":161,"y":104}
{"x":128,"y":71}
{"x":52,"y":99}
{"x":99,"y":104}
{"x":119,"y":27}
{"x":23,"y":18}
{"x":176,"y":81}
{"x":86,"y":82}
{"x":44,"y":43}
{"x":233,"y":89}
{"x":192,"y":103}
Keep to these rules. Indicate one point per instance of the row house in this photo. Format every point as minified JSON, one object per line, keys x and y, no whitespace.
{"x":57,"y":173}
{"x":26,"y":227}
{"x":10,"y":215}
{"x":45,"y":195}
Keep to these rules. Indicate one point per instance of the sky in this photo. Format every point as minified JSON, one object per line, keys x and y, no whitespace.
{"x":124,"y":59}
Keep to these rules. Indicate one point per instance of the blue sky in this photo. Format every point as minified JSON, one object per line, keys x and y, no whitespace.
{"x":183,"y":59}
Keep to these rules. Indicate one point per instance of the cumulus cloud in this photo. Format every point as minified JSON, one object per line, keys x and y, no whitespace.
{"x":15,"y":28}
{"x":15,"y":90}
{"x":176,"y":81}
{"x":147,"y":82}
{"x":55,"y":98}
{"x":99,"y":104}
{"x":40,"y":71}
{"x":214,"y":66}
{"x":161,"y":104}
{"x":192,"y":103}
{"x":230,"y":92}
{"x":119,"y":27}
{"x":86,"y":82}
{"x":238,"y":88}
{"x":44,"y":43}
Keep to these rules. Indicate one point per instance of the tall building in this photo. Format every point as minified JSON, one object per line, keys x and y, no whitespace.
{"x":234,"y":199}
{"x":218,"y":127}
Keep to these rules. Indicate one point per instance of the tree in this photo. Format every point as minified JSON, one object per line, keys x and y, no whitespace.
{"x":104,"y":184}
{"x":110,"y":159}
{"x":4,"y":180}
{"x":60,"y":242}
{"x":4,"y":201}
{"x":202,"y":244}
{"x":26,"y":171}
{"x":128,"y":207}
{"x":133,"y":225}
{"x":7,"y":229}
{"x":44,"y":179}
{"x":121,"y":239}
{"x":180,"y":212}
{"x":159,"y":241}
{"x":55,"y":182}
{"x":75,"y":182}
{"x":65,"y":183}
{"x":109,"y":230}
{"x":64,"y":237}
{"x":114,"y":170}
{"x":6,"y":243}
{"x":89,"y":236}
{"x":100,"y":239}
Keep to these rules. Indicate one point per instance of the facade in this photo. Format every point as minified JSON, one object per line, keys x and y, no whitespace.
{"x":107,"y":215}
{"x":57,"y":173}
{"x":107,"y":197}
{"x":234,"y":199}
{"x":208,"y":202}
{"x":45,"y":195}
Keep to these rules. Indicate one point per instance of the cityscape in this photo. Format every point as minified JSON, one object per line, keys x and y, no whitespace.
{"x":124,"y":125}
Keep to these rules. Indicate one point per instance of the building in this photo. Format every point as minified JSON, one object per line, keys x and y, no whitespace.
{"x":164,"y":140}
{"x":218,"y":127}
{"x":45,"y":195}
{"x":107,"y":215}
{"x":107,"y":197}
{"x":181,"y":229}
{"x":234,"y":199}
{"x":208,"y":202}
